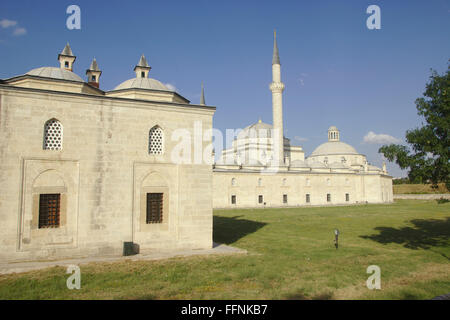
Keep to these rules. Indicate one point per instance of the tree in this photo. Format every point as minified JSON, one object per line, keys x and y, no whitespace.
{"x":428,"y":157}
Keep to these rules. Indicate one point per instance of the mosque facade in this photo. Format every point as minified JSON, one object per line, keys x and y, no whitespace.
{"x":262,"y":168}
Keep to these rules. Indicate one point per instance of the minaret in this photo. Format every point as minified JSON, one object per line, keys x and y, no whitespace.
{"x":66,"y":58}
{"x":93,"y":74}
{"x":142,"y":68}
{"x":277,"y":88}
{"x":202,"y":96}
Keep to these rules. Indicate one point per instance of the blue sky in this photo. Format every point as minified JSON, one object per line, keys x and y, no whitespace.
{"x":336,"y":70}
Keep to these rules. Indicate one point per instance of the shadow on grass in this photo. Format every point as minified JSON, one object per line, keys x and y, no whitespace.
{"x":424,"y":235}
{"x":228,"y":230}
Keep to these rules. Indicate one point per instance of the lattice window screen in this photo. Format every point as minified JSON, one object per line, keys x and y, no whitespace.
{"x":156,"y":141}
{"x":53,"y":134}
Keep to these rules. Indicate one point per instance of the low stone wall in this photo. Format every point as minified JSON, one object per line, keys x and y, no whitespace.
{"x":431,"y":196}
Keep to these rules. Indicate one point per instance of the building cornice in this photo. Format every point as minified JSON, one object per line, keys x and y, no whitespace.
{"x":106,"y":98}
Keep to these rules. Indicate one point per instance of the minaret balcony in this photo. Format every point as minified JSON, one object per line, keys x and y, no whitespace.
{"x":276,"y":86}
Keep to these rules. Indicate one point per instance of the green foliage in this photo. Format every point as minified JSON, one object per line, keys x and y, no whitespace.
{"x":428,"y":157}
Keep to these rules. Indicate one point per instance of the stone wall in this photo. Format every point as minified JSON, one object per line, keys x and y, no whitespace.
{"x":248,"y":186}
{"x":422,"y":196}
{"x":102,"y":172}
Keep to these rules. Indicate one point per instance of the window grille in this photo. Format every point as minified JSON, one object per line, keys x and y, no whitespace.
{"x":49,"y":210}
{"x":156,"y":141}
{"x":53,"y":133}
{"x":154,"y":208}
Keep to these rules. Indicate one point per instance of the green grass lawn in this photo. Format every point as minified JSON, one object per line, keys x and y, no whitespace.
{"x":291,"y":255}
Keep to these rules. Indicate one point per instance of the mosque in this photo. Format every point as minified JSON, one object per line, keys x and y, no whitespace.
{"x":87,"y":172}
{"x":263,"y":169}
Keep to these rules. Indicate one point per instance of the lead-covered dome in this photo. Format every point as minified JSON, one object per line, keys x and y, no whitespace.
{"x":55,"y":73}
{"x":333,"y":147}
{"x":142,"y":83}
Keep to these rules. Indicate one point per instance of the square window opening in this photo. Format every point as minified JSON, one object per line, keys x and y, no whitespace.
{"x":154,"y":208}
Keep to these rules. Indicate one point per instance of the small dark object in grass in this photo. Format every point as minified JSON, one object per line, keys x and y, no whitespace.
{"x":336,"y":238}
{"x":442,"y":200}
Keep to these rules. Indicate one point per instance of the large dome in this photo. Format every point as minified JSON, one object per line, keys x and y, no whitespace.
{"x":55,"y":73}
{"x":333,"y":147}
{"x":142,"y":83}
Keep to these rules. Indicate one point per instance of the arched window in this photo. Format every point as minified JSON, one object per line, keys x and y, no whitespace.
{"x":233,"y":181}
{"x":308,"y":182}
{"x":259,"y":182}
{"x":328,"y":182}
{"x":156,"y":141}
{"x":284,"y":181}
{"x":53,"y":135}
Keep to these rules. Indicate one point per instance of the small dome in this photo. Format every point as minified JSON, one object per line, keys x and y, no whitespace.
{"x":259,"y":129}
{"x":55,"y":73}
{"x":333,"y":147}
{"x":142,"y":83}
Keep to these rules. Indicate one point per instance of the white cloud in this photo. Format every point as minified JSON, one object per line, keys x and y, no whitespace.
{"x":20,"y":32}
{"x":301,"y":80}
{"x":300,"y":139}
{"x":373,"y":138}
{"x":170,"y":86}
{"x":5,"y":23}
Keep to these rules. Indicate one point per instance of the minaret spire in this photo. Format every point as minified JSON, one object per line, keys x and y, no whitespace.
{"x":277,"y":88}
{"x":276,"y":57}
{"x":202,"y":96}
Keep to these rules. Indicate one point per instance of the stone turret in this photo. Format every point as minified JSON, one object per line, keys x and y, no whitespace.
{"x":66,"y":58}
{"x":93,"y":74}
{"x":333,"y":134}
{"x":142,"y":68}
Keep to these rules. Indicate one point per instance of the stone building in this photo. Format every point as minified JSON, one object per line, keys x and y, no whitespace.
{"x":263,"y":169}
{"x":83,"y":170}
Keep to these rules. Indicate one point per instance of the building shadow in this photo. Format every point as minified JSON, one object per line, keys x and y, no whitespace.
{"x":424,"y":235}
{"x":228,"y":230}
